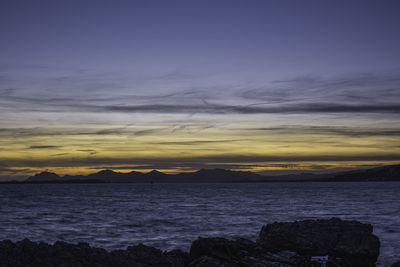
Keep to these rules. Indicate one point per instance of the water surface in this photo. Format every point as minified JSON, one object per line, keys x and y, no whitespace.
{"x":170,"y":216}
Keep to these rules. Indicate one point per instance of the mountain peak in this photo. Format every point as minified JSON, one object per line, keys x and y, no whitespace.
{"x":155,"y":172}
{"x":44,"y":176}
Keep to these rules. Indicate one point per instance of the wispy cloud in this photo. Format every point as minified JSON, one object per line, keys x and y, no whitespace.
{"x":331,"y":130}
{"x":195,"y":161}
{"x":358,"y":93}
{"x":367,"y":88}
{"x":196,"y":142}
{"x":126,"y":130}
{"x":44,"y":147}
{"x":283,"y":109}
{"x":90,"y":151}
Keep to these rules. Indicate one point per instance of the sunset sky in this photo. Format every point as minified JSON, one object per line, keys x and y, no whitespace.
{"x":267,"y":86}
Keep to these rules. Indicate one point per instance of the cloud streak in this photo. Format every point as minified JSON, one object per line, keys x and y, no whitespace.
{"x":44,"y":147}
{"x":347,"y":131}
{"x":194,"y":161}
{"x":226,"y":109}
{"x":331,"y":130}
{"x":359,"y":93}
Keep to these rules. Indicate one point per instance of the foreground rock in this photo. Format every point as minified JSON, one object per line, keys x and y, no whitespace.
{"x":27,"y":253}
{"x":305,"y":243}
{"x":349,"y":242}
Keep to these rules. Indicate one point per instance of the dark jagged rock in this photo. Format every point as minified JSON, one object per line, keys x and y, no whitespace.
{"x":219,"y":248}
{"x":27,"y":253}
{"x":205,"y":261}
{"x":310,"y":243}
{"x":241,"y":252}
{"x":350,"y":242}
{"x":178,"y":257}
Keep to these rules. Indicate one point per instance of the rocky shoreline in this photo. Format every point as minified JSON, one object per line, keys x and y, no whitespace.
{"x":332,"y":242}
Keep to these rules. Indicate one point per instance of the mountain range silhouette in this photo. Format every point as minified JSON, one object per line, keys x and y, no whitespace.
{"x":384,"y":173}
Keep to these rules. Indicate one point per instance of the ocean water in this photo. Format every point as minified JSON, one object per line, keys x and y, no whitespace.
{"x":167,"y":216}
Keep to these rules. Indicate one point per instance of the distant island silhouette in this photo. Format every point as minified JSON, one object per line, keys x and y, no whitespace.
{"x":384,"y":173}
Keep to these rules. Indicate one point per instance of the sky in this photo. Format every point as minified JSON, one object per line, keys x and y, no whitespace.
{"x":267,"y":86}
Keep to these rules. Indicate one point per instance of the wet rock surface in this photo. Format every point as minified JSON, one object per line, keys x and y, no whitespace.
{"x":303,"y":243}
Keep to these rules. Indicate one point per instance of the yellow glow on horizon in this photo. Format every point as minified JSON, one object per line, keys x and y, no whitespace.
{"x":253,"y":145}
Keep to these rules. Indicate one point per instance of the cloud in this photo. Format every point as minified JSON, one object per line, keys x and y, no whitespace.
{"x":91,"y":92}
{"x":196,"y":142}
{"x":151,"y":131}
{"x":59,"y":154}
{"x":361,"y":87}
{"x":195,"y":161}
{"x":281,"y":109}
{"x":90,"y":151}
{"x":13,"y":170}
{"x":44,"y":147}
{"x":126,"y":130}
{"x":355,"y":93}
{"x":118,"y":130}
{"x":331,"y":130}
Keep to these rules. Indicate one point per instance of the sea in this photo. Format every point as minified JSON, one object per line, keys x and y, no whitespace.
{"x":169,"y":216}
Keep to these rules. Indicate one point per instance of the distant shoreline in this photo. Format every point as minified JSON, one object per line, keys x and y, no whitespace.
{"x":378,"y":174}
{"x":235,"y":182}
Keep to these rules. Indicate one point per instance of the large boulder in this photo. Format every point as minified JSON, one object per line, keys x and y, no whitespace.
{"x":220,"y":248}
{"x":241,"y":252}
{"x":349,"y":243}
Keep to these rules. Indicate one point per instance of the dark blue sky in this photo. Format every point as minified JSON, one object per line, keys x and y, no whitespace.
{"x":180,"y":85}
{"x":253,"y":38}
